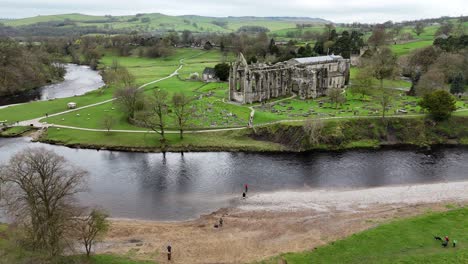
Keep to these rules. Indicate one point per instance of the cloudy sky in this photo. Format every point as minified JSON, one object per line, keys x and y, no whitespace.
{"x":335,"y":10}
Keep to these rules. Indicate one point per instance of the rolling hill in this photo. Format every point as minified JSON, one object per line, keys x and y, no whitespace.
{"x":159,"y":22}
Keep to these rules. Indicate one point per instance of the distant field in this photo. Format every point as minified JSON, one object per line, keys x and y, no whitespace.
{"x":161,"y":22}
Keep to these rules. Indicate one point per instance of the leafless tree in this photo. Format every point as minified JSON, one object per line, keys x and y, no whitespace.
{"x":91,"y":228}
{"x":362,"y":83}
{"x":385,"y":99}
{"x":336,"y":96}
{"x":155,"y":114}
{"x":314,"y":129}
{"x":108,"y":122}
{"x":183,"y":111}
{"x":382,"y":65}
{"x":127,"y":99}
{"x":38,"y":189}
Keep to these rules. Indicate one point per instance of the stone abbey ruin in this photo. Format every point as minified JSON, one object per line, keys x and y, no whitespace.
{"x":307,"y":77}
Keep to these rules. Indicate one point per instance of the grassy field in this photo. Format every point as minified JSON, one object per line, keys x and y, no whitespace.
{"x":161,"y":22}
{"x":222,"y":141}
{"x":403,"y":241}
{"x":15,"y":131}
{"x":404,"y":49}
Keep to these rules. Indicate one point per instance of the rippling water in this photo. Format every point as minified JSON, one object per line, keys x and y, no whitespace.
{"x":179,"y":187}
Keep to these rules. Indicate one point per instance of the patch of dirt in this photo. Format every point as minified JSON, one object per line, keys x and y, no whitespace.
{"x":248,"y":236}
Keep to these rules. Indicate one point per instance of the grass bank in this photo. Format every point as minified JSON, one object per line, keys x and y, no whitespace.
{"x":15,"y":131}
{"x":335,"y":135}
{"x":403,"y":241}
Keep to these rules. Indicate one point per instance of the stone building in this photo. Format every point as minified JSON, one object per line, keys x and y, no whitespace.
{"x":307,"y":77}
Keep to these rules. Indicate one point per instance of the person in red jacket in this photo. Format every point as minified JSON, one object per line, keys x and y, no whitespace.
{"x":246,"y":187}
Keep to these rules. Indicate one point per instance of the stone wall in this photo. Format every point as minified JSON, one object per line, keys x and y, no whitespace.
{"x":306,"y":77}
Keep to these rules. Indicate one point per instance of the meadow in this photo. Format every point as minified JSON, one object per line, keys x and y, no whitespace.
{"x":402,"y":241}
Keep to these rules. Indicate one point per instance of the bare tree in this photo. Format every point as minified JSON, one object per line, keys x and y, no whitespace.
{"x":183,"y":111}
{"x":382,"y":65}
{"x":38,"y":189}
{"x":91,"y":228}
{"x":362,"y":83}
{"x":385,"y":100}
{"x":127,"y":99}
{"x":336,"y":96}
{"x":108,"y":122}
{"x":155,"y":114}
{"x":314,"y":130}
{"x":430,"y":81}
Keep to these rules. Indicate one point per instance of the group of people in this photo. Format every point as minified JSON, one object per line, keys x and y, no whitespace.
{"x":446,"y":241}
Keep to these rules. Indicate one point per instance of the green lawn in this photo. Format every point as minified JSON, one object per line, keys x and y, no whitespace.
{"x":225,"y":141}
{"x":15,"y":131}
{"x":404,"y":49}
{"x":402,"y":241}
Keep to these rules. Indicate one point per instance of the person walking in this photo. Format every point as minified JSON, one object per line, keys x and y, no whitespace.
{"x":221,"y":222}
{"x":246,"y":187}
{"x":169,"y":252}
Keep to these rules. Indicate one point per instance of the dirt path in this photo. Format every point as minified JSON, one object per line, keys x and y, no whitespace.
{"x":257,"y":230}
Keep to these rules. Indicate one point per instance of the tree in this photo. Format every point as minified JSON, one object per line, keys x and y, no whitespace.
{"x":385,"y":99}
{"x":155,"y":114}
{"x":378,"y":37}
{"x":419,"y":28}
{"x":38,"y":190}
{"x":362,"y":83}
{"x":446,"y":28}
{"x":91,"y":228}
{"x":429,"y":82}
{"x":183,"y":111}
{"x":382,"y":64}
{"x":418,"y":63}
{"x":108,"y":122}
{"x":440,"y":104}
{"x":336,"y":96}
{"x":458,"y":84}
{"x":314,"y":129}
{"x":128,"y":99}
{"x":222,"y":71}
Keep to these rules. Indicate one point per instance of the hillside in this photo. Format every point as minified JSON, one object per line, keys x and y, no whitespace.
{"x":161,"y":22}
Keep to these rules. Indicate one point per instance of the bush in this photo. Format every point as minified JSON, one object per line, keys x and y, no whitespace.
{"x":222,"y":71}
{"x":440,"y":104}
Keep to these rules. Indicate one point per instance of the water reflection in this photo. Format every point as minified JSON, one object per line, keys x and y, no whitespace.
{"x":178,"y":187}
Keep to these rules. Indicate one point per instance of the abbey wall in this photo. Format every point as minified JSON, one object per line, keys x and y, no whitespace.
{"x":307,"y":77}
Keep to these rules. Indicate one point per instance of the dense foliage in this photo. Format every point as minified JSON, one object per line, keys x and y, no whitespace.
{"x":24,"y":67}
{"x":440,"y":104}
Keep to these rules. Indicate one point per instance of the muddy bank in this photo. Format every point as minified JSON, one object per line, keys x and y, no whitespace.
{"x":266,"y":225}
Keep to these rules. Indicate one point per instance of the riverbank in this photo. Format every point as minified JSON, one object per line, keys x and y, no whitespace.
{"x":336,"y":135}
{"x":298,"y":221}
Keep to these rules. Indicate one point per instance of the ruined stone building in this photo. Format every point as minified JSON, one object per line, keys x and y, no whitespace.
{"x":307,"y":77}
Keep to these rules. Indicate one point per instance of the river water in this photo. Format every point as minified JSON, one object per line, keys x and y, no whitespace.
{"x":78,"y":80}
{"x":179,"y":187}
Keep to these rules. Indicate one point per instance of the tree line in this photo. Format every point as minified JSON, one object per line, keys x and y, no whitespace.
{"x":26,"y":66}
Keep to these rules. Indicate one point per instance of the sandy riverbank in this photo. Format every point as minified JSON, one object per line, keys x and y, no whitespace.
{"x":267,"y":224}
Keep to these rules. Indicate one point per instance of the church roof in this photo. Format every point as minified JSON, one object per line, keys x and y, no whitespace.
{"x":317,"y":59}
{"x":210,"y":71}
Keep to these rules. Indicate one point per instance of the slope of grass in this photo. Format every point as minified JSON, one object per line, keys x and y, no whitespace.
{"x":404,"y":49}
{"x":161,"y":22}
{"x":402,"y":241}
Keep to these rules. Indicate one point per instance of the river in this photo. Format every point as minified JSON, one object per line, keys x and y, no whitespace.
{"x":180,"y":187}
{"x":78,"y":80}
